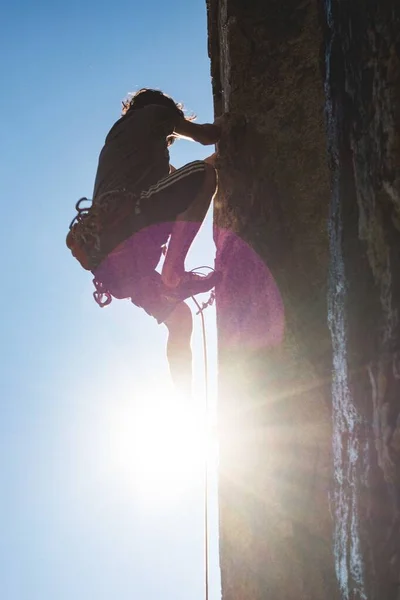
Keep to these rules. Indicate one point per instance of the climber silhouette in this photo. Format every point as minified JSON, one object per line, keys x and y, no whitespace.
{"x":139,"y":202}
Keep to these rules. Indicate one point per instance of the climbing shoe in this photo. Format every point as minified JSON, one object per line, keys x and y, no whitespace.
{"x":192,"y":284}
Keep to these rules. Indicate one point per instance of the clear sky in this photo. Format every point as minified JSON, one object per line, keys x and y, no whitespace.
{"x":90,"y":506}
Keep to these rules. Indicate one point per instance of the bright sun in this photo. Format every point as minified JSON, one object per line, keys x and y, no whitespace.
{"x":162,"y":446}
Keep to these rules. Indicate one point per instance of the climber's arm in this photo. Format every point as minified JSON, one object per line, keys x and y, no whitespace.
{"x":205,"y":134}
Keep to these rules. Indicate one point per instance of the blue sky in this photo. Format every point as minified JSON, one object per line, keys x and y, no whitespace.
{"x":81,"y":515}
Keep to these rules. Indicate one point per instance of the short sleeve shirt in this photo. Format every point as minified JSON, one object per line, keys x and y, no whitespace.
{"x":135,"y":154}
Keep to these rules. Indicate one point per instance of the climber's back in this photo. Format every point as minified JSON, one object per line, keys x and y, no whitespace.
{"x":135,"y":154}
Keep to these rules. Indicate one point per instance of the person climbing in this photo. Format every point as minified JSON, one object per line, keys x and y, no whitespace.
{"x":139,"y":202}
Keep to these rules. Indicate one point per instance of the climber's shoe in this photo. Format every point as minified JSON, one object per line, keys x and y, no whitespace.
{"x":192,"y":284}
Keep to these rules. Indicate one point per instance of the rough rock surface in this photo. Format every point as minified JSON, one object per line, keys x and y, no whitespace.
{"x":310,"y":467}
{"x":363,"y":110}
{"x":274,"y":342}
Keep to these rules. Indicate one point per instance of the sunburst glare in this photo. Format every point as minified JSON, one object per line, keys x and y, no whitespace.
{"x":160,"y":447}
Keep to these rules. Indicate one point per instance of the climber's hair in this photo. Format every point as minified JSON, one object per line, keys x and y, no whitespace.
{"x":147,"y":96}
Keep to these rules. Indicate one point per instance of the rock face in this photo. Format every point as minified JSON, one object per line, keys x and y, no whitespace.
{"x":274,"y":342}
{"x":363,"y":116}
{"x":308,"y":241}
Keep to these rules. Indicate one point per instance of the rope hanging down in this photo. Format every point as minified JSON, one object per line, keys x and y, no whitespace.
{"x":200,"y":311}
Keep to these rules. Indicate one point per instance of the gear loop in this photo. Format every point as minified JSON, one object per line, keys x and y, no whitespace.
{"x":82,"y":212}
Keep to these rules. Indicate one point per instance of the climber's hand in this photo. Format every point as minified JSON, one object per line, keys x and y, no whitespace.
{"x":221,"y":121}
{"x":211,"y":134}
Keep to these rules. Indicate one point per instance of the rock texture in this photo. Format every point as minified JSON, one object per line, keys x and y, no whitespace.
{"x":363,"y":116}
{"x":307,"y":228}
{"x":274,"y":343}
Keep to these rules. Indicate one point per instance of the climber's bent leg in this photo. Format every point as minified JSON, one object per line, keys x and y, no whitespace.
{"x":129,"y":271}
{"x":186,"y":228}
{"x":113,"y":219}
{"x":168,"y":198}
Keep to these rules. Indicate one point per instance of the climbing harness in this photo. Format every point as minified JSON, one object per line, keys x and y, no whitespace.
{"x":93,"y":233}
{"x":87,"y":239}
{"x":84,"y":233}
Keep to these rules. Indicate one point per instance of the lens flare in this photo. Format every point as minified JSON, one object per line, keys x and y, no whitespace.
{"x":161,"y":448}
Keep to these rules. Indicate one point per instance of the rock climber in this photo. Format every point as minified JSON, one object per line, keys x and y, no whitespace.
{"x":139,"y":202}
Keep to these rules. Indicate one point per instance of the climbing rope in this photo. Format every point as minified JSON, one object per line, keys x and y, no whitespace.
{"x":206,"y":540}
{"x":200,"y":312}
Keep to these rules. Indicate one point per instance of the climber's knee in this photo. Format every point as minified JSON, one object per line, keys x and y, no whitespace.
{"x":180,"y":325}
{"x":210,"y":180}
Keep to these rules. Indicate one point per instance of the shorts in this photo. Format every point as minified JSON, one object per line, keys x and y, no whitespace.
{"x":129,"y":270}
{"x":149,"y":293}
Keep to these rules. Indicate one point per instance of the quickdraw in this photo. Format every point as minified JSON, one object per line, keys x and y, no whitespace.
{"x":102,"y":296}
{"x":205,"y":305}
